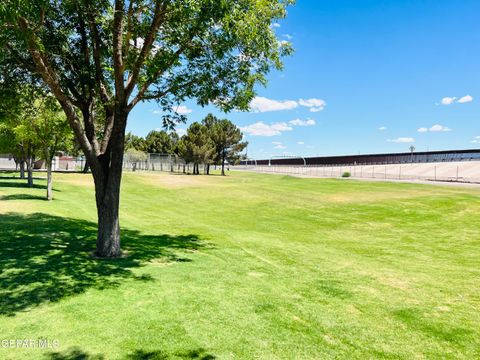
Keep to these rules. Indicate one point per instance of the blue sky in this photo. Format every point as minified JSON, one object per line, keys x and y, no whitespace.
{"x":366,"y":77}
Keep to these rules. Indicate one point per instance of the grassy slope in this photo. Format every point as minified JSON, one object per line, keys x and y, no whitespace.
{"x":248,"y":266}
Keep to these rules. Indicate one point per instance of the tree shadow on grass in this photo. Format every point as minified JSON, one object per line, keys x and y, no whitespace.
{"x":21,"y":183}
{"x":45,"y":258}
{"x":77,"y":354}
{"x":23,"y":197}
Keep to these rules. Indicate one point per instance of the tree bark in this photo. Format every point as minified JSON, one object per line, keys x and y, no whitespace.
{"x":22,"y":169}
{"x":223,"y":163}
{"x":107,"y":180}
{"x":30,"y":163}
{"x":49,"y":179}
{"x":208,"y":169}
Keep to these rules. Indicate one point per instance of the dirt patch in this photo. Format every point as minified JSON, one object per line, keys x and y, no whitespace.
{"x":174,"y":181}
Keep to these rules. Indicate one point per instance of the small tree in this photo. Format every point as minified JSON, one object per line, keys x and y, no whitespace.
{"x":196,"y":146}
{"x":134,"y":142}
{"x":159,"y":142}
{"x":53,"y":134}
{"x":227,"y":139}
{"x":134,"y":157}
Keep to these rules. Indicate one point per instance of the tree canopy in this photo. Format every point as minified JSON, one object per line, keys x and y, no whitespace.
{"x":100,"y":58}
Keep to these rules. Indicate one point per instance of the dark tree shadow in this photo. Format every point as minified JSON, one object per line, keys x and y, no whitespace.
{"x":77,"y":354}
{"x":23,"y":197}
{"x":21,"y":183}
{"x":73,"y":354}
{"x":45,"y":258}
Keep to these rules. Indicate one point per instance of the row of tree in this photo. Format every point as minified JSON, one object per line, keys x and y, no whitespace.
{"x":32,"y":126}
{"x":211,"y":141}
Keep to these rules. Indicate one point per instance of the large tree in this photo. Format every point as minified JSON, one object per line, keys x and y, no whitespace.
{"x":100,"y":58}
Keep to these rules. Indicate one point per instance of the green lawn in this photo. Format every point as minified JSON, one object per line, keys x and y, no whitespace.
{"x":248,"y":266}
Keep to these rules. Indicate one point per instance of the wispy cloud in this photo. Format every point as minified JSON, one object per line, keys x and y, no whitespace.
{"x":314,"y":104}
{"x":382,"y":128}
{"x":465,"y":99}
{"x":261,"y":129}
{"x":262,"y":104}
{"x":288,"y":36}
{"x":299,"y":122}
{"x":451,"y":100}
{"x":300,"y":143}
{"x":275,"y":25}
{"x":434,"y":128}
{"x":182,"y":109}
{"x":402,"y":140}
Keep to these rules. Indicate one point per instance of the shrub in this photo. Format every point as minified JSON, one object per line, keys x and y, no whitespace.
{"x":346,"y":174}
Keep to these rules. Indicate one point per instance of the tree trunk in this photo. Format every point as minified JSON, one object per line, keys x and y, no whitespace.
{"x":22,"y":169}
{"x":208,"y":169}
{"x":49,"y":180}
{"x":223,"y":163}
{"x":107,"y":180}
{"x":30,"y":176}
{"x":86,"y":167}
{"x":108,"y":237}
{"x":30,"y":162}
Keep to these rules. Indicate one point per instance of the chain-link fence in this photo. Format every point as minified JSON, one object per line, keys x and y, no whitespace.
{"x":465,"y":171}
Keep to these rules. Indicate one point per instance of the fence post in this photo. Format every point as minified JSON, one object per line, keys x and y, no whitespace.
{"x":435,"y":172}
{"x":400,"y":172}
{"x":457,"y":172}
{"x":373,"y":172}
{"x":385,"y":171}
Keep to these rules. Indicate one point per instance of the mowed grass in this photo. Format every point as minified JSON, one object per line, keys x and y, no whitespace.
{"x":247,"y":266}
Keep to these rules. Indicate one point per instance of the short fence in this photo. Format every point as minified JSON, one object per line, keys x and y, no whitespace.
{"x":451,"y":171}
{"x":150,"y":162}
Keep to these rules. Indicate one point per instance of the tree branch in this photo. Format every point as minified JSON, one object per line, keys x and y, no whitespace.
{"x":51,"y":79}
{"x":159,"y":73}
{"x":119,"y":68}
{"x":159,"y":14}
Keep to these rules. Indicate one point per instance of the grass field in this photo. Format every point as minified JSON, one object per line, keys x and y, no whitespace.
{"x":249,"y":266}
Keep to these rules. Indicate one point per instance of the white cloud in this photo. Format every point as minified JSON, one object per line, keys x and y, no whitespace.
{"x":182,"y":109}
{"x":298,"y":122}
{"x":465,"y":99}
{"x":300,"y":143}
{"x":181,"y":131}
{"x":382,"y":128}
{"x":276,"y":25}
{"x":450,"y":100}
{"x":262,"y":104}
{"x":280,"y":146}
{"x":437,"y":127}
{"x":261,"y":129}
{"x":434,"y":128}
{"x":315,"y":105}
{"x":156,"y":112}
{"x":276,"y":143}
{"x":402,"y":140}
{"x":288,"y":36}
